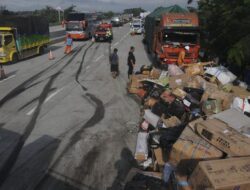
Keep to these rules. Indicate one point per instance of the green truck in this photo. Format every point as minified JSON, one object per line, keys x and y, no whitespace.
{"x":22,"y":37}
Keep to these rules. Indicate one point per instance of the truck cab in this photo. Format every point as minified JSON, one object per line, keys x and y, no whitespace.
{"x":137,"y":26}
{"x":175,"y":31}
{"x":8,"y":49}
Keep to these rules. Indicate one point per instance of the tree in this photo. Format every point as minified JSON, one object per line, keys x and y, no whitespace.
{"x":109,"y":14}
{"x":69,"y":10}
{"x":135,"y":11}
{"x":227,"y":25}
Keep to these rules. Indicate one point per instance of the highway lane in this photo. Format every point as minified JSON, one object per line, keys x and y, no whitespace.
{"x":66,"y":123}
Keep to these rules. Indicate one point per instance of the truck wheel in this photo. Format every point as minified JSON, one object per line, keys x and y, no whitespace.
{"x":41,"y":50}
{"x":148,"y":49}
{"x":14,"y":58}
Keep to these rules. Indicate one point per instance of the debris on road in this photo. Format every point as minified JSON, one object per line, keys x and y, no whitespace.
{"x":194,"y":124}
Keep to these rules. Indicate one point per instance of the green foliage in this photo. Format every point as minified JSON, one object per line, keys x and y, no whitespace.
{"x":135,"y":11}
{"x":227,"y":23}
{"x":52,"y":14}
{"x":108,"y":14}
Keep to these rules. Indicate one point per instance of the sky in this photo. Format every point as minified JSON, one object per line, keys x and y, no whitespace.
{"x":91,"y":5}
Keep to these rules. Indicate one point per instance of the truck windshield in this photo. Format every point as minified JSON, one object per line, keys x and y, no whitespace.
{"x":136,"y":25}
{"x":73,"y":27}
{"x":180,"y":37}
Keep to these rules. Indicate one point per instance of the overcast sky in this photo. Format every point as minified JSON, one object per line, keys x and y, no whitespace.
{"x":90,"y":5}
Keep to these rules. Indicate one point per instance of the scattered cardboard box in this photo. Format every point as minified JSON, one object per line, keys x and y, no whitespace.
{"x":178,"y":81}
{"x":224,"y":137}
{"x":225,"y":174}
{"x":190,"y":148}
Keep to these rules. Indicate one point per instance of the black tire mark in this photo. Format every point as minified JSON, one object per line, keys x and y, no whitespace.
{"x":22,"y":87}
{"x":4,"y":171}
{"x":96,"y":118}
{"x":33,"y":100}
{"x":80,"y":68}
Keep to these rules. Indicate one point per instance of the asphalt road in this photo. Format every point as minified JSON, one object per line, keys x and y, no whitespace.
{"x":66,"y":124}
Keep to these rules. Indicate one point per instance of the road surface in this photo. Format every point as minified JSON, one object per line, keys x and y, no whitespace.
{"x":66,"y":124}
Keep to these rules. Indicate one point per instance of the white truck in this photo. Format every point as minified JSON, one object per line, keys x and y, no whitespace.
{"x":137,"y":26}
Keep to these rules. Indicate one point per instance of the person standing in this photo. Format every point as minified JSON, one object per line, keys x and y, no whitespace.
{"x":114,"y":63}
{"x":181,"y":57}
{"x":131,"y":62}
{"x":69,"y":43}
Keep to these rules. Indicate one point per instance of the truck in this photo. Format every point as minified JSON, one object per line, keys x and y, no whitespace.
{"x":168,"y":30}
{"x":103,"y":32}
{"x":79,"y":25}
{"x":137,"y":26}
{"x":22,"y":37}
{"x":116,"y":21}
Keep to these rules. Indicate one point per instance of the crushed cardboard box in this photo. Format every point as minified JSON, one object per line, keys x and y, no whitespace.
{"x":225,"y":174}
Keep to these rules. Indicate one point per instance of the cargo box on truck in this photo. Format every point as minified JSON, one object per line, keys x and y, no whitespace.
{"x":168,"y":30}
{"x":22,"y":37}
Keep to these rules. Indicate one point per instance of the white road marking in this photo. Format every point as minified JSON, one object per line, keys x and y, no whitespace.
{"x":31,"y":111}
{"x":10,"y":77}
{"x":98,"y":58}
{"x":53,"y":94}
{"x":46,"y":100}
{"x":116,"y":44}
{"x":87,"y":67}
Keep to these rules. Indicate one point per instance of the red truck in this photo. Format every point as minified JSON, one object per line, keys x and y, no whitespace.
{"x":167,"y":32}
{"x":103,"y":32}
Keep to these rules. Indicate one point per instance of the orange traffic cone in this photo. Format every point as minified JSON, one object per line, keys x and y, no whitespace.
{"x":51,"y":57}
{"x":2,"y":73}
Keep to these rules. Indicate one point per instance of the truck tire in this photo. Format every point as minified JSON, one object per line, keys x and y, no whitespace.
{"x":41,"y":50}
{"x":148,"y":49}
{"x":14,"y":58}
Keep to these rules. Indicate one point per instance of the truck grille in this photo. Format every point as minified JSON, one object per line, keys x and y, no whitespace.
{"x":175,"y":55}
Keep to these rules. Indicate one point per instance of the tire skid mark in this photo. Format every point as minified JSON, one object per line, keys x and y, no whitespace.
{"x":33,"y":100}
{"x":96,"y":118}
{"x":22,"y":87}
{"x":80,"y":67}
{"x":7,"y":166}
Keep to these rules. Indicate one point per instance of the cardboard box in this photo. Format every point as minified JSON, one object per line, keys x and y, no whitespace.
{"x":171,"y":122}
{"x":226,"y":98}
{"x":178,"y":81}
{"x":158,"y":154}
{"x":224,"y":137}
{"x":179,"y":93}
{"x":194,"y":70}
{"x":155,"y":73}
{"x":189,"y":149}
{"x":226,"y":174}
{"x":235,"y":119}
{"x":240,"y":92}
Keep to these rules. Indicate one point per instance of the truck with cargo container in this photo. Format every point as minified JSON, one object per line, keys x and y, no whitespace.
{"x":80,"y":26}
{"x":22,"y":37}
{"x":168,"y":30}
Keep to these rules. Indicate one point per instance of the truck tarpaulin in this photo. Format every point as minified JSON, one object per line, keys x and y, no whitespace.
{"x":26,"y":25}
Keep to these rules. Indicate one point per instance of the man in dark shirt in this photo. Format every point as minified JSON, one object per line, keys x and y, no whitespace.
{"x":114,"y":61}
{"x":131,"y":62}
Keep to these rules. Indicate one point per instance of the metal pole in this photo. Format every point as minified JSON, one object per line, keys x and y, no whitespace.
{"x":59,"y":15}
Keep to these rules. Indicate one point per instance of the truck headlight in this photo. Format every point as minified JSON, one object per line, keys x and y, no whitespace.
{"x":2,"y":54}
